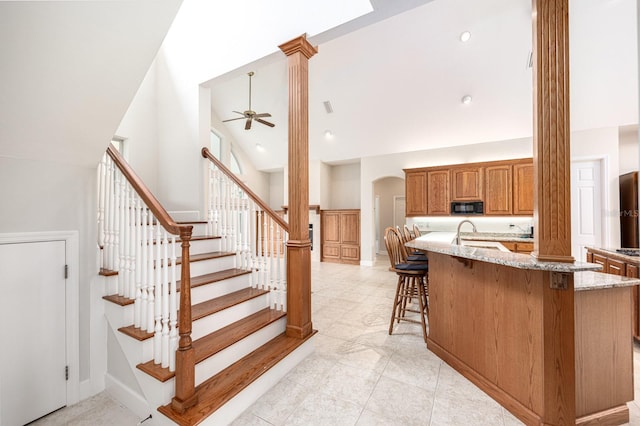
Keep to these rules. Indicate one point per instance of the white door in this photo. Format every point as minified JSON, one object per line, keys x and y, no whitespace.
{"x":586,"y":207}
{"x":32,"y":331}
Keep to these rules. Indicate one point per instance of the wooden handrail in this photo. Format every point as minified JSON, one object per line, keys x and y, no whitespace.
{"x":207,"y":154}
{"x":145,"y":194}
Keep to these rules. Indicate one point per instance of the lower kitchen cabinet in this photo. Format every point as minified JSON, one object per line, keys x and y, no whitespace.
{"x":340,"y":236}
{"x":619,"y":264}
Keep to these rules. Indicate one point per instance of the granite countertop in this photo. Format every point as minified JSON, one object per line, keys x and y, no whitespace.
{"x":497,"y":236}
{"x":590,"y":280}
{"x":515,"y":260}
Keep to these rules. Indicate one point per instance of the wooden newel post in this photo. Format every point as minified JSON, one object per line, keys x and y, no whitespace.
{"x":185,"y":358}
{"x":298,"y":52}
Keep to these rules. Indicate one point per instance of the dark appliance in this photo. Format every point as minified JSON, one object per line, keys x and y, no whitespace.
{"x":311,"y":235}
{"x":629,"y":210}
{"x":467,"y":207}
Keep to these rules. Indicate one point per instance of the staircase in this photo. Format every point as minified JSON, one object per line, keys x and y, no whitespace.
{"x":235,"y":268}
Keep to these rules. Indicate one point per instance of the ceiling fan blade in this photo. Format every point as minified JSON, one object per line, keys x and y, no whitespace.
{"x":265,"y":122}
{"x":238,"y":112}
{"x":232,"y":119}
{"x":264,"y":114}
{"x":247,"y":125}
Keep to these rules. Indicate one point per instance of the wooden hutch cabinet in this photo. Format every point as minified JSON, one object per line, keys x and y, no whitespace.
{"x":340,"y":239}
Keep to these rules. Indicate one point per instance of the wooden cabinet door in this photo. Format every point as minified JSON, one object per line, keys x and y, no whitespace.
{"x":600,"y":260}
{"x":350,"y":228}
{"x":438,"y":202}
{"x":467,"y":184}
{"x":523,"y":189}
{"x":615,"y":267}
{"x":416,"y":193}
{"x":632,"y":272}
{"x":350,"y":254}
{"x":330,"y":223}
{"x":498,"y":190}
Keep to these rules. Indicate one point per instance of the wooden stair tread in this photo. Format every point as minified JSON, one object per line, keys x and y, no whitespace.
{"x":214,"y":277}
{"x":218,"y":304}
{"x":118,"y":300}
{"x":107,"y":272}
{"x":220,"y":339}
{"x":136,"y":333}
{"x":219,"y":389}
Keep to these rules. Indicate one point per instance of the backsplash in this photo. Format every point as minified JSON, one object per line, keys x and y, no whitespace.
{"x":521,"y":224}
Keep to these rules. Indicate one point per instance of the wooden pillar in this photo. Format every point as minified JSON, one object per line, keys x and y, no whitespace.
{"x":551,"y":155}
{"x":552,"y":204}
{"x":298,"y":52}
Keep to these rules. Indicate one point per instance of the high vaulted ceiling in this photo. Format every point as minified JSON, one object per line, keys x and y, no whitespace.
{"x":396,"y":84}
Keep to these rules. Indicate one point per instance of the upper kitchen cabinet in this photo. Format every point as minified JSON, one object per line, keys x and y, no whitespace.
{"x":438,"y":201}
{"x":467,"y":184}
{"x":498,"y":190}
{"x":523,"y":188}
{"x":505,"y":187}
{"x":416,"y":193}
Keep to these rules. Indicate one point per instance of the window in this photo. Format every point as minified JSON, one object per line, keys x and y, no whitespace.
{"x":119,"y":143}
{"x":235,"y":165}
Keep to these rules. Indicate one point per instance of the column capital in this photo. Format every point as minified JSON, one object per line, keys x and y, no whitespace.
{"x":299,"y":44}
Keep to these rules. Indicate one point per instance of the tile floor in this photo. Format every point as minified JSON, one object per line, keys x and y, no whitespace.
{"x":358,"y":375}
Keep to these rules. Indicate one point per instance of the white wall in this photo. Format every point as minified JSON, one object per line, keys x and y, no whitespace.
{"x":46,"y":196}
{"x":276,"y":190}
{"x":596,"y":144}
{"x":140,"y":129}
{"x":345,"y":187}
{"x":325,"y":185}
{"x":374,"y":168}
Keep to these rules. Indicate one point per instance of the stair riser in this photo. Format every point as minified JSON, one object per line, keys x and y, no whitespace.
{"x":203,"y":267}
{"x":204,"y":246}
{"x":210,"y":291}
{"x":225,"y":317}
{"x":118,"y":316}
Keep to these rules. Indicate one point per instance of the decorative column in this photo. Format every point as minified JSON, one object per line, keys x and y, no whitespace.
{"x":552,"y":205}
{"x":551,"y":157}
{"x":298,"y":52}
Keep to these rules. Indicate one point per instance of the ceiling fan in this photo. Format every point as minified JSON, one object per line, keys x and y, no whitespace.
{"x":249,"y":114}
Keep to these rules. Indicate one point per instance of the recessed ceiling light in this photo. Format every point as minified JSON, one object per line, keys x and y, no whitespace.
{"x":259,"y":147}
{"x":465,"y":36}
{"x":466,"y":99}
{"x":328,"y":134}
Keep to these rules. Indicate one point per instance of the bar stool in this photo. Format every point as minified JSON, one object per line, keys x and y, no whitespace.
{"x":412,"y":283}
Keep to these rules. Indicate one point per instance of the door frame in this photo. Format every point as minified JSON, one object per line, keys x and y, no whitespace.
{"x":395,"y":201}
{"x":602,"y":160}
{"x":72,"y":331}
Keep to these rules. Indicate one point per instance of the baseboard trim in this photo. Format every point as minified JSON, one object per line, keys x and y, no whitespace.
{"x":127,"y":397}
{"x":613,"y":416}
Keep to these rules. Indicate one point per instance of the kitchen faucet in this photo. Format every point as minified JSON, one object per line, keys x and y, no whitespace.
{"x":460,"y":225}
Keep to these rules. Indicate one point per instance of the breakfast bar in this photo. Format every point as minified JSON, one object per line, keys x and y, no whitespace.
{"x":487,"y":319}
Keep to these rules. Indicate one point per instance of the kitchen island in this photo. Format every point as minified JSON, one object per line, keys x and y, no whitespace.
{"x":486,"y":320}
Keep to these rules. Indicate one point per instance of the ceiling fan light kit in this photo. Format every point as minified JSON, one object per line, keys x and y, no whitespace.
{"x":249,"y":115}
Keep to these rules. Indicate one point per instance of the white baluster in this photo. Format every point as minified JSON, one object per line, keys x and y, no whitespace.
{"x":145,"y":269}
{"x":134,"y":243}
{"x":157,"y":301}
{"x":246,"y":229}
{"x":107,"y":218}
{"x":116,"y":231}
{"x":140,"y":265}
{"x":277,"y":259}
{"x":165,"y":301}
{"x":265,"y":252}
{"x":253,"y":236}
{"x":260,"y":250}
{"x":272,"y":281}
{"x":126,"y":240}
{"x":284,"y":274}
{"x":150,"y":278}
{"x":112,"y":216}
{"x":173,"y":309}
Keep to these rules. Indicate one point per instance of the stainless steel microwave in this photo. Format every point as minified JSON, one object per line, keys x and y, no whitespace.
{"x":467,"y":207}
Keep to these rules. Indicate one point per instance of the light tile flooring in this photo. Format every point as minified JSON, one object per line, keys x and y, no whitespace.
{"x":358,"y":375}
